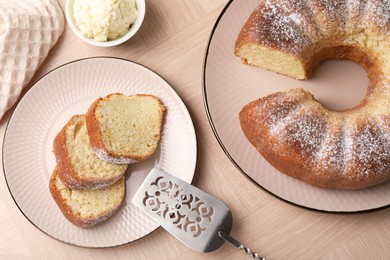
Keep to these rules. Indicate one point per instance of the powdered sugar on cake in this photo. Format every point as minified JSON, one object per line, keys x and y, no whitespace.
{"x":274,"y":21}
{"x":378,"y":13}
{"x":103,"y":155}
{"x":338,"y":150}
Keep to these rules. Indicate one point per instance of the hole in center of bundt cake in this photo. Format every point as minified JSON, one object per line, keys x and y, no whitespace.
{"x":339,"y":84}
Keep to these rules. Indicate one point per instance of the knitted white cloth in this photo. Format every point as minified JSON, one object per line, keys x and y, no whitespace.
{"x":31,"y":29}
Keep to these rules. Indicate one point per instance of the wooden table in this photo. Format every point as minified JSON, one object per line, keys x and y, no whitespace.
{"x":172,"y":42}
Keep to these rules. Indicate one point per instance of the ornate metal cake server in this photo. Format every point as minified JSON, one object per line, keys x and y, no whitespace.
{"x":197,"y":219}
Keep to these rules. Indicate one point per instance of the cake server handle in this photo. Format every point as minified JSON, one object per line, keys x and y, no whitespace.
{"x":238,"y":245}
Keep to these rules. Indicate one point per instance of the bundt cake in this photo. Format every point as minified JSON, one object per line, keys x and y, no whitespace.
{"x":347,"y":149}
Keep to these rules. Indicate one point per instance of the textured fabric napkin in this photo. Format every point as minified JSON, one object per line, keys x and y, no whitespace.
{"x":30,"y":29}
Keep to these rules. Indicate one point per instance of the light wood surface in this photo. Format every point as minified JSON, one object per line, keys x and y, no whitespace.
{"x":172,"y":42}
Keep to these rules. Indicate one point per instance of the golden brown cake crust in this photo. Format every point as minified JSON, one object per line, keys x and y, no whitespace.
{"x":65,"y":170}
{"x":266,"y":27}
{"x":291,"y":149}
{"x":93,"y":128}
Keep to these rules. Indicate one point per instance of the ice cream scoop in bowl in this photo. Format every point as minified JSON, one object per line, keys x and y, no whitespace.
{"x":105,"y":23}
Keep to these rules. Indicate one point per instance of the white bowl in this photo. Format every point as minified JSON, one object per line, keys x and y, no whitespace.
{"x":140,"y":5}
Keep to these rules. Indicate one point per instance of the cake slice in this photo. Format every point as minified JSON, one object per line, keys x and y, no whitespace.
{"x":274,"y":41}
{"x":125,"y":129}
{"x":86,"y":208}
{"x":78,"y":165}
